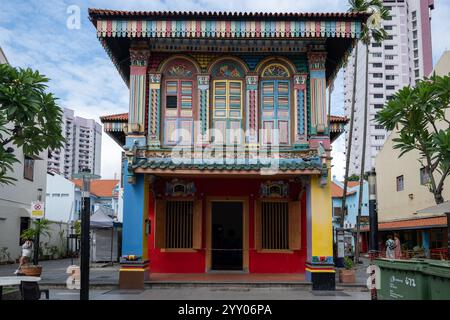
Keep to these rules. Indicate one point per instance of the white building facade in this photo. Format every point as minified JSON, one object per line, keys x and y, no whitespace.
{"x":401,"y":60}
{"x":62,"y":201}
{"x":82,"y":148}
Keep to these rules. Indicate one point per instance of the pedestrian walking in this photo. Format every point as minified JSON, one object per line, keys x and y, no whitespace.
{"x":390,"y":247}
{"x":27,"y":249}
{"x":398,"y":247}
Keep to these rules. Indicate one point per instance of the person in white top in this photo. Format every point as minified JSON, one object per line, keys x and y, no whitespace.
{"x":27,"y":249}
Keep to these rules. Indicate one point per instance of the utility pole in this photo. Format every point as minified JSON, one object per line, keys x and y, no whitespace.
{"x":373,"y":212}
{"x":86,"y":177}
{"x":373,"y":226}
{"x":36,"y":236}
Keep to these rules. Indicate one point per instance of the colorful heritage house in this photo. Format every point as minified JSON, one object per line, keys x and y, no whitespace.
{"x":227,"y":139}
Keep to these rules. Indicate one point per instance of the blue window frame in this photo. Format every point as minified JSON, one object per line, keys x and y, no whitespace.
{"x":275,"y":110}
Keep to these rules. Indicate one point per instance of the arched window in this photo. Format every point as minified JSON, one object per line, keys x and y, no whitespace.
{"x":228,"y":102}
{"x":178,"y":102}
{"x":275,"y":104}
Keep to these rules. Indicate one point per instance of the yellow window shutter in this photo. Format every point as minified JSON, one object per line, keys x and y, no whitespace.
{"x":294,"y":225}
{"x":197,"y":225}
{"x":258,"y":228}
{"x":160,"y":227}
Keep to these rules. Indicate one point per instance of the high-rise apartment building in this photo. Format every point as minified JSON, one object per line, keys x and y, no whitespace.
{"x":82,"y":148}
{"x":401,"y":60}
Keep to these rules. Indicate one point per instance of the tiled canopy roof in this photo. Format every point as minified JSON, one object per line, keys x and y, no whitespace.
{"x":209,"y":14}
{"x":124,"y":117}
{"x":285,"y":165}
{"x":431,"y":222}
{"x":115,"y":117}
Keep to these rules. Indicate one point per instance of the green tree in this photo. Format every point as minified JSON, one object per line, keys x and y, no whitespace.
{"x":417,"y":115}
{"x":371,"y":31}
{"x":353,"y":177}
{"x":29,"y":117}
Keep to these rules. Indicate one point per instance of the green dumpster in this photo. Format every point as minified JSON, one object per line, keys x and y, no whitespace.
{"x":402,"y":280}
{"x":438,"y":273}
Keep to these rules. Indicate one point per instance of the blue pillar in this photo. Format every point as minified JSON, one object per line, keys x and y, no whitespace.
{"x":133,"y":217}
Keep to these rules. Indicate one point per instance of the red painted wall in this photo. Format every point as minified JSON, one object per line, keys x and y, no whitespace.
{"x":194,"y":262}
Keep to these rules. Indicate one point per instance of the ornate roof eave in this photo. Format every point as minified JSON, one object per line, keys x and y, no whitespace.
{"x":116,"y":29}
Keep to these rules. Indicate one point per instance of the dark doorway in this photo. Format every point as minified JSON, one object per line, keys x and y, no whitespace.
{"x":227,"y":236}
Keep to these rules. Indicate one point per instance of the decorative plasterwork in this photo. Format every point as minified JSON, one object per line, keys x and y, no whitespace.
{"x":275,"y":71}
{"x":154,"y":109}
{"x":203,"y":101}
{"x":317,"y":60}
{"x":179,"y":70}
{"x":252,"y":108}
{"x":227,"y":69}
{"x":301,"y":111}
{"x":180,"y":188}
{"x":139,"y":57}
{"x":274,"y":189}
{"x":154,"y":78}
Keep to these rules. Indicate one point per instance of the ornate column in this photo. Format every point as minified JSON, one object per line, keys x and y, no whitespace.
{"x":203,"y":104}
{"x":252,"y":109}
{"x":154,"y":110}
{"x":136,"y":116}
{"x":301,"y":111}
{"x":318,"y":114}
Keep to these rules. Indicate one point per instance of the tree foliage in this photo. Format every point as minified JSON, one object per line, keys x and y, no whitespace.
{"x":40,"y":227}
{"x":372,"y":29}
{"x":417,"y":114}
{"x":29,"y":117}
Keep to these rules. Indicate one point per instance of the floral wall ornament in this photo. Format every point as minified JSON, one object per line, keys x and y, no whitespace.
{"x":300,"y":79}
{"x":275,"y":70}
{"x":179,"y":70}
{"x":180,"y":188}
{"x":228,"y":70}
{"x":155,"y":77}
{"x":274,"y":189}
{"x":252,"y":80}
{"x":203,"y":80}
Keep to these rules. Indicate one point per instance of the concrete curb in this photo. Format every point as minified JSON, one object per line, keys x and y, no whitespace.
{"x":217,"y":285}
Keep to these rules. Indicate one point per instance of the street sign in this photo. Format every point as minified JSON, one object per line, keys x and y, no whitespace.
{"x":37,"y":210}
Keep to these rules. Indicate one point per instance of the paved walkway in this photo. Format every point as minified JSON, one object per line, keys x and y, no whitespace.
{"x":54,"y":272}
{"x":206,"y":293}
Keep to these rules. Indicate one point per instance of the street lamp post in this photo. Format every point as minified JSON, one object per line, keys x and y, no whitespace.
{"x":36,"y":236}
{"x":86,"y":177}
{"x":373,"y":213}
{"x":448,"y":235}
{"x":373,"y":231}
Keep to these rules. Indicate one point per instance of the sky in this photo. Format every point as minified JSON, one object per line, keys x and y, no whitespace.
{"x":36,"y":34}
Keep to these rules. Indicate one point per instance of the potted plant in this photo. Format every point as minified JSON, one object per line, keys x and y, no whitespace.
{"x":40,"y":227}
{"x":347,"y":275}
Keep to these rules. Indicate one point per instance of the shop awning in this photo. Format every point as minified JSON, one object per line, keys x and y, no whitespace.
{"x":420,"y":223}
{"x":442,"y":208}
{"x":100,"y":219}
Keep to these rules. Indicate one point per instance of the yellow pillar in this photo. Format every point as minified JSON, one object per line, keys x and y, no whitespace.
{"x":320,"y":263}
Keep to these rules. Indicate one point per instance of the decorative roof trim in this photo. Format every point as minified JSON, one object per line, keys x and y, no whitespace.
{"x":100,"y":13}
{"x":132,"y":28}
